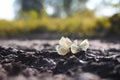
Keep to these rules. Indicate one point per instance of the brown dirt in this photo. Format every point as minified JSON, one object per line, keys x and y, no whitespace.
{"x":38,"y":60}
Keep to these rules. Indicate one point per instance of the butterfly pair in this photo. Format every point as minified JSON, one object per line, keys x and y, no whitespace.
{"x":65,"y":45}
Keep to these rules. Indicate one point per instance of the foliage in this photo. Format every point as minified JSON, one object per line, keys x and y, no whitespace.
{"x":83,"y":24}
{"x":115,"y":24}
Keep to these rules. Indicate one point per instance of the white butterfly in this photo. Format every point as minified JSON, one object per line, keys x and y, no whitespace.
{"x":74,"y":47}
{"x":62,"y":50}
{"x":66,"y":42}
{"x":84,"y":45}
{"x":65,"y":45}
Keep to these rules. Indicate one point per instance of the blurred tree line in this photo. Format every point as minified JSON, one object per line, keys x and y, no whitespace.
{"x":64,"y":8}
{"x":61,"y":8}
{"x":69,"y":18}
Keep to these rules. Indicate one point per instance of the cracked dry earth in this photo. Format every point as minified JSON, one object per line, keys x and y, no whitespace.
{"x":38,"y":60}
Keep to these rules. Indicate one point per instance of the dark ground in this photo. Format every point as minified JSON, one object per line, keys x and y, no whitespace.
{"x":38,"y":60}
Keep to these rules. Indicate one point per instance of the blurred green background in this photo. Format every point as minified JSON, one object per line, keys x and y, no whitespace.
{"x":73,"y":18}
